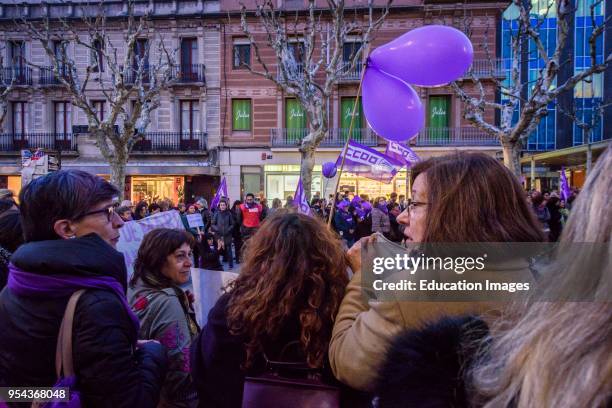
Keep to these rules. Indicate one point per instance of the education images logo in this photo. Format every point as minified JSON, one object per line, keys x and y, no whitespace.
{"x":458,"y":265}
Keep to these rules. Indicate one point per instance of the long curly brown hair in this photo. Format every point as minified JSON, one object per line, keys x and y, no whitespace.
{"x":294,"y":270}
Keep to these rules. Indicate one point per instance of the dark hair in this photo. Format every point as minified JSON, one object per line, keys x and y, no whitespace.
{"x":153,"y":207}
{"x":64,"y":194}
{"x":121,"y":210}
{"x":474,"y":198}
{"x":250,"y":195}
{"x":140,"y":206}
{"x":11,"y":234}
{"x":153,"y":253}
{"x":6,"y":204}
{"x":294,"y":272}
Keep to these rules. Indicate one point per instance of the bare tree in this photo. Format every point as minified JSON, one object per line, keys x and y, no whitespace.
{"x":542,"y":91}
{"x":312,"y":75}
{"x":132,"y":78}
{"x":7,"y":84}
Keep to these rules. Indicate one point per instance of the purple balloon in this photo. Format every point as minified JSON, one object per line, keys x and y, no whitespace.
{"x":431,"y":55}
{"x":392,"y":108}
{"x":329,"y":169}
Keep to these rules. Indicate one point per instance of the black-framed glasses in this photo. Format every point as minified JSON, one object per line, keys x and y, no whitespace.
{"x":414,"y":204}
{"x":109,"y":211}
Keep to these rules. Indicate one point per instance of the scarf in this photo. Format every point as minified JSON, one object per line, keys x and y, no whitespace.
{"x":383,"y":208}
{"x":24,"y":283}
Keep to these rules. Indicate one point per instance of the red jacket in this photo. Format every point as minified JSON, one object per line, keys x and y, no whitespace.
{"x":251,"y":216}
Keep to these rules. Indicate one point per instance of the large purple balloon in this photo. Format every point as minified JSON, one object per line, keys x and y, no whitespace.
{"x":329,"y":169}
{"x":431,"y":55}
{"x":393,"y":108}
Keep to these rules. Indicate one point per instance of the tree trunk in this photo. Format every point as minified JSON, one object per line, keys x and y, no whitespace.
{"x":512,"y":157}
{"x":306,"y":166}
{"x":117,"y":170}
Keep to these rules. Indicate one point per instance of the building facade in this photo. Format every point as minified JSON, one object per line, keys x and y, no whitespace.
{"x":177,"y":158}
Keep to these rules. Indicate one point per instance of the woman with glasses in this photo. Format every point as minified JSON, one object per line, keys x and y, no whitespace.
{"x":165,"y":310}
{"x":460,"y":198}
{"x":71,"y":230}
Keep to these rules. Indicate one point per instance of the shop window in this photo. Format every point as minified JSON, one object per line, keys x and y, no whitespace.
{"x":156,"y":188}
{"x":242,"y":55}
{"x":241,"y":114}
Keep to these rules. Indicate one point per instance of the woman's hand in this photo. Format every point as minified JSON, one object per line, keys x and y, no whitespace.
{"x":354,"y":253}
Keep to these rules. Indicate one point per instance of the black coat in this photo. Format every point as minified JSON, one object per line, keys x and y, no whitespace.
{"x":110,"y":372}
{"x":223,"y":224}
{"x":425,"y":368}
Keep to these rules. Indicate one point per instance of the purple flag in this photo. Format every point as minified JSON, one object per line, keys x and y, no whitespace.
{"x":401,"y":154}
{"x":221,"y":192}
{"x":565,"y":188}
{"x":367,"y":162}
{"x":300,"y":200}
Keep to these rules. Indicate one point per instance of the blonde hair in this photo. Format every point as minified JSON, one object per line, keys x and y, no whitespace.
{"x":559,"y":354}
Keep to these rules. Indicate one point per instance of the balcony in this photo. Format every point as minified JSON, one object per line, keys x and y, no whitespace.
{"x":487,"y":68}
{"x":453,"y":136}
{"x":188,"y":74}
{"x":48,"y":78}
{"x":14,"y":142}
{"x":295,"y":73}
{"x":428,"y":137}
{"x":171,"y":142}
{"x":19,"y":75}
{"x":131,"y":76}
{"x":350,"y":75}
{"x":333,"y":138}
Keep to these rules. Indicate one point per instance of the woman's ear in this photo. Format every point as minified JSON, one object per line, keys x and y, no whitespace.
{"x":65,"y":229}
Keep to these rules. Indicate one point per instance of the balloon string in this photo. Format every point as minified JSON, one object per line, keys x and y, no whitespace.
{"x":344,"y":150}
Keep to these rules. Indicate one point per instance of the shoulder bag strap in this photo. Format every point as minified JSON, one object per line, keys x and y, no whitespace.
{"x":63,"y":351}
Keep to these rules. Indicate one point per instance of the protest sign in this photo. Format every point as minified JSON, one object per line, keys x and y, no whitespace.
{"x":207,"y":288}
{"x":133,"y":232}
{"x":195,"y":220}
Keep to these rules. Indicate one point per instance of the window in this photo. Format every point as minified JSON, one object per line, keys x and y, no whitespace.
{"x":141,"y":52}
{"x":296,"y":47}
{"x":349,"y":50}
{"x":189,"y":57}
{"x":190,"y":118}
{"x":99,"y":109}
{"x":242,"y":56}
{"x":346,"y":112}
{"x":17,"y":49}
{"x":62,"y":117}
{"x":438,"y":117}
{"x":97,"y":60}
{"x":241,"y":114}
{"x":18,"y":118}
{"x":295,"y":119}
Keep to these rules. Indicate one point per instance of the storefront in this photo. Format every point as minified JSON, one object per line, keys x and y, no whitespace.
{"x":12,"y":183}
{"x":154,"y":188}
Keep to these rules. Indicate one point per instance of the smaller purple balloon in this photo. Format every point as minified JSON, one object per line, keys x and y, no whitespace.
{"x":329,"y":169}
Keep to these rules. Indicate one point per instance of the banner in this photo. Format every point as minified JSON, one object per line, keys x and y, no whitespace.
{"x":300,"y":199}
{"x":208,"y":287}
{"x":565,"y":188}
{"x":367,"y":162}
{"x":221,"y":192}
{"x":132,"y":233}
{"x":402,"y":154}
{"x":195,"y":220}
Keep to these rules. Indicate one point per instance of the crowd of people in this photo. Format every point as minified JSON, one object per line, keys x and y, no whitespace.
{"x":297,"y":302}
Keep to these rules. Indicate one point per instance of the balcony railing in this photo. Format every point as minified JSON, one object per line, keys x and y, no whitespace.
{"x":487,"y":68}
{"x":47,"y":76}
{"x":13,"y":142}
{"x":333,"y":138}
{"x":132,"y":74}
{"x":18,"y":75}
{"x":455,"y":136}
{"x":188,"y":73}
{"x":451,"y":136}
{"x":161,"y":142}
{"x":347,"y":74}
{"x":295,"y":72}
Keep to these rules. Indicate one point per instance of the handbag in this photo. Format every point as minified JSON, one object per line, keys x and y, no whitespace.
{"x":289,"y":385}
{"x":64,"y":367}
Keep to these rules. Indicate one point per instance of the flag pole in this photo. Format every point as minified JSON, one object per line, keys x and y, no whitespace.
{"x":348,"y":138}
